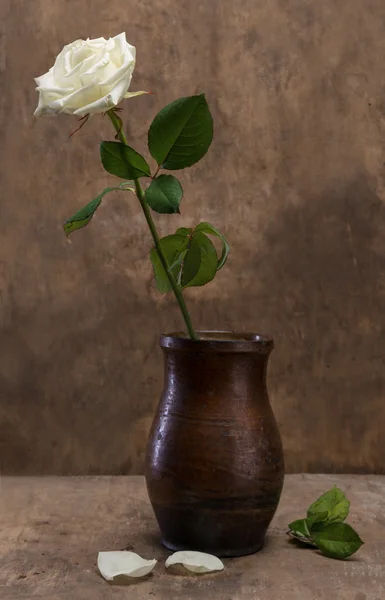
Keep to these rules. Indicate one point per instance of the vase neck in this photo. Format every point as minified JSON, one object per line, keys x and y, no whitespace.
{"x":241,"y":374}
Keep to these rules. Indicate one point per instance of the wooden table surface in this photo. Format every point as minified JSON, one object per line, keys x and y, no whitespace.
{"x":51,"y":530}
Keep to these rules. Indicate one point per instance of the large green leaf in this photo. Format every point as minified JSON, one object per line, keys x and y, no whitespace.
{"x":201,"y":260}
{"x":181,"y":133}
{"x":123,"y":161}
{"x":334,"y":502}
{"x":174,"y":248}
{"x":191,"y":258}
{"x":164,"y":194}
{"x":337,"y":540}
{"x":211,"y":230}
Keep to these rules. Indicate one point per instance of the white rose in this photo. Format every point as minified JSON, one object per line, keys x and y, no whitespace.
{"x":88,"y":77}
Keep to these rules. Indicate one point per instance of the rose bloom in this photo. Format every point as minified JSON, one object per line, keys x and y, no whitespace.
{"x":88,"y":77}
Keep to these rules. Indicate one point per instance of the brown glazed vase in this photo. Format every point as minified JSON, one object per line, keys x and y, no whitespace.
{"x":214,"y":464}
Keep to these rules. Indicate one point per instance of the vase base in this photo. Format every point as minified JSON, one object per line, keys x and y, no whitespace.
{"x":219,"y":552}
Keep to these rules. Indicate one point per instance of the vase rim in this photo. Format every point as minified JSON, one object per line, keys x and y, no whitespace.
{"x":222,"y":341}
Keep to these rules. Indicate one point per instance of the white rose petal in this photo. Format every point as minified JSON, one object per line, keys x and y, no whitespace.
{"x":112,"y":564}
{"x":88,"y":77}
{"x":197,"y":562}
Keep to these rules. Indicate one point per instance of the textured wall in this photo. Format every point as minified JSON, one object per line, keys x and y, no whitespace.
{"x":295,"y":178}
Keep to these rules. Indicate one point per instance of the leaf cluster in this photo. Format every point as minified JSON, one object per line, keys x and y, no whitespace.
{"x":178,"y":137}
{"x":324,"y":526}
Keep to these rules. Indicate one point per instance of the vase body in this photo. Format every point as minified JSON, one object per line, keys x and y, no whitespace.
{"x":214,"y":463}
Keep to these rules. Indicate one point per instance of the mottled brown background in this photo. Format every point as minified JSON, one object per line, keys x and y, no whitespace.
{"x":295,"y":179}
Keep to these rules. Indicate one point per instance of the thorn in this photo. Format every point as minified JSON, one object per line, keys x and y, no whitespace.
{"x":83,"y":121}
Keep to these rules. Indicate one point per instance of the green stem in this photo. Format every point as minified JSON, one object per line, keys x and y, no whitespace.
{"x":150,"y":222}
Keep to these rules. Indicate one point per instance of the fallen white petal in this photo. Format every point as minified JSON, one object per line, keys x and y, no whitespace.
{"x":111,"y":564}
{"x":197,"y":562}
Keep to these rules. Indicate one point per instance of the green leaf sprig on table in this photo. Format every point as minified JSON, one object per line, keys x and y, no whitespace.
{"x":324,"y":526}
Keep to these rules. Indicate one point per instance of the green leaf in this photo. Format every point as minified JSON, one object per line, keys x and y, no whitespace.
{"x":192,"y":263}
{"x":178,"y":262}
{"x":191,"y":258}
{"x":174,"y":247}
{"x":301,"y":538}
{"x":164,"y":194}
{"x":184,"y":230}
{"x":200,"y":263}
{"x":334,"y":502}
{"x":211,"y":230}
{"x":316,"y":518}
{"x":85,"y":214}
{"x":123,"y":161}
{"x":181,"y":133}
{"x":300,"y":527}
{"x":337,"y":540}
